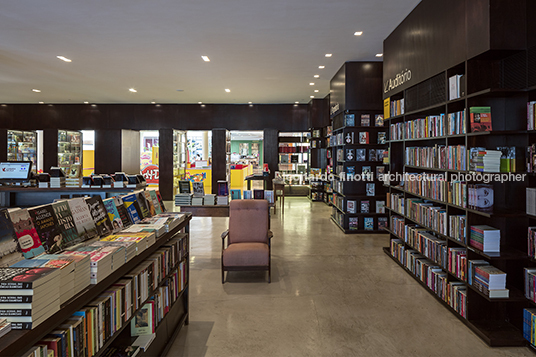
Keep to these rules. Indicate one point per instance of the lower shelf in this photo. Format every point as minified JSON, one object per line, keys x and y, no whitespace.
{"x":494,"y":333}
{"x":357,"y":231}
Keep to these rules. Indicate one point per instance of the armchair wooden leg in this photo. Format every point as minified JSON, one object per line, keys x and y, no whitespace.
{"x":222,"y":272}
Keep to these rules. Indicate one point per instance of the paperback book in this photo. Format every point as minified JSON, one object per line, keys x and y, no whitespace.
{"x":9,"y":246}
{"x":480,"y":119}
{"x":353,"y":223}
{"x":365,"y":119}
{"x":378,"y":120}
{"x":363,"y":137}
{"x":83,"y":221}
{"x":365,"y":206}
{"x":113,"y":214}
{"x":27,"y":236}
{"x":46,"y":225}
{"x":99,"y":214}
{"x":349,"y":119}
{"x":66,"y":223}
{"x":369,"y":223}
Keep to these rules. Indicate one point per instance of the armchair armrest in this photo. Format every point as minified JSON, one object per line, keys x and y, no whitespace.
{"x":270,"y":235}
{"x":224,"y":234}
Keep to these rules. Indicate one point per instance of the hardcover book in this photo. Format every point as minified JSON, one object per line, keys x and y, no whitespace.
{"x":372,"y":155}
{"x":369,"y":223}
{"x":150,"y":204}
{"x":9,"y":246}
{"x":353,"y":223}
{"x":349,"y":120}
{"x":113,"y":214}
{"x":99,"y":214}
{"x":199,"y":190}
{"x":363,"y":137}
{"x":350,"y":154}
{"x":351,"y":206}
{"x":378,"y":120}
{"x":66,"y":223}
{"x":123,"y":214}
{"x":132,"y":207}
{"x":371,"y":189}
{"x":156,"y":202}
{"x":480,"y":119}
{"x":382,"y":223}
{"x":361,"y":154}
{"x":142,"y":202}
{"x":258,"y":194}
{"x":365,"y":206}
{"x":349,"y":137}
{"x":46,"y":225}
{"x":27,"y":236}
{"x":83,"y":220}
{"x":236,"y":194}
{"x":382,"y":137}
{"x":184,"y":186}
{"x":365,"y":119}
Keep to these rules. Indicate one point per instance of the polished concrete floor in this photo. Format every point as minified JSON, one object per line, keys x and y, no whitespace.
{"x":331,"y":295}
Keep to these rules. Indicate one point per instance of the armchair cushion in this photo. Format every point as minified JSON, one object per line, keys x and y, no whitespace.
{"x":248,"y":221}
{"x":246,"y":254}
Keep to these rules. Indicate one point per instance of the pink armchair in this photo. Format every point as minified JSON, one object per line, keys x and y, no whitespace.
{"x":249,"y":237}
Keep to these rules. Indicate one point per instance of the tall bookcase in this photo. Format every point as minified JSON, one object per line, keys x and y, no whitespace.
{"x":358,"y":198}
{"x":493,"y":73}
{"x":317,"y":165}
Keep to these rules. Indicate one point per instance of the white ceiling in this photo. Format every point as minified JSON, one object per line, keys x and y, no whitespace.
{"x":264,"y":51}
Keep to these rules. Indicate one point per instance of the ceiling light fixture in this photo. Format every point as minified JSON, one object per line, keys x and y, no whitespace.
{"x":329,"y":54}
{"x":296,"y":102}
{"x":316,"y":76}
{"x":379,"y":55}
{"x":158,"y":105}
{"x":64,"y":59}
{"x":227,"y":90}
{"x":41,"y":102}
{"x":132,"y":90}
{"x":153,"y":102}
{"x":358,"y":33}
{"x":202,"y":105}
{"x":316,"y":90}
{"x":311,"y":84}
{"x":312,"y":96}
{"x":205,"y":58}
{"x":36,"y":90}
{"x":199,"y":102}
{"x":321,"y":67}
{"x":250,"y":102}
{"x":94,"y":105}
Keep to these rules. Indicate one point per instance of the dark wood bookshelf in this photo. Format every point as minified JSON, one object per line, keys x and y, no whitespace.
{"x":17,"y":342}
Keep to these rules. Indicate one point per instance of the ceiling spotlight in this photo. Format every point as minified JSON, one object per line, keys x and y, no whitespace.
{"x":379,"y":55}
{"x":153,"y":102}
{"x":202,"y":105}
{"x":41,"y":102}
{"x":328,"y":55}
{"x":358,"y":33}
{"x":86,"y":102}
{"x":64,"y":59}
{"x":296,"y":102}
{"x":36,"y":90}
{"x":321,"y":67}
{"x":251,"y":105}
{"x":316,"y":90}
{"x":311,"y":84}
{"x":316,"y":76}
{"x":132,"y":90}
{"x":227,"y":90}
{"x":205,"y":58}
{"x":250,"y":102}
{"x":312,"y":96}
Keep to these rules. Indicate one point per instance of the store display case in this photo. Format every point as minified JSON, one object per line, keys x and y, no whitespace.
{"x":22,"y":146}
{"x":294,"y":160}
{"x":179,"y":158}
{"x":70,"y":152}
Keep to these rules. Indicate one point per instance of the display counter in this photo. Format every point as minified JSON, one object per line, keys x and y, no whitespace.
{"x":201,"y":175}
{"x":238,"y":176}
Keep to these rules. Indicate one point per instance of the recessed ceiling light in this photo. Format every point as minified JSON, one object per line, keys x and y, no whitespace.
{"x":64,"y":59}
{"x":41,"y":102}
{"x":321,"y":67}
{"x":328,"y":55}
{"x":311,"y":84}
{"x":316,"y":90}
{"x":316,"y":76}
{"x":94,"y":105}
{"x":379,"y":55}
{"x":251,"y":105}
{"x":36,"y":90}
{"x":295,"y":105}
{"x":132,"y":90}
{"x":250,"y":102}
{"x":205,"y":58}
{"x":296,"y":102}
{"x":312,"y":96}
{"x":153,"y":102}
{"x":358,"y":33}
{"x":227,"y":90}
{"x":199,"y":102}
{"x":4,"y":105}
{"x":86,"y":102}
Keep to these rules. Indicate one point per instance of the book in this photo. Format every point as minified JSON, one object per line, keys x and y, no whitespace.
{"x":380,"y":206}
{"x":382,"y":223}
{"x":371,"y":189}
{"x":378,"y":120}
{"x":248,"y":194}
{"x":66,"y":223}
{"x":143,"y":321}
{"x":372,"y":155}
{"x":380,"y":170}
{"x":366,"y":170}
{"x":269,"y":196}
{"x":132,"y":207}
{"x":351,"y":206}
{"x":349,"y":119}
{"x":113,"y":214}
{"x":46,"y":225}
{"x":25,"y":232}
{"x":361,"y":154}
{"x":368,"y":223}
{"x":363,"y":137}
{"x":26,"y":278}
{"x":365,"y":119}
{"x":198,"y":189}
{"x":353,"y":223}
{"x":184,"y":186}
{"x":349,"y":137}
{"x":365,"y":206}
{"x":150,"y":204}
{"x":258,"y":194}
{"x":100,"y":216}
{"x":480,"y":119}
{"x":350,"y":154}
{"x":10,"y":250}
{"x":236,"y":194}
{"x":83,"y":221}
{"x":142,"y":202}
{"x":156,"y":202}
{"x":123,"y":214}
{"x":160,"y":200}
{"x":382,"y":137}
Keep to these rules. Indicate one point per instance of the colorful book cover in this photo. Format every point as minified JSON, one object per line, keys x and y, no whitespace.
{"x":162,"y":206}
{"x":365,"y":119}
{"x":123,"y":214}
{"x":369,"y":223}
{"x":372,"y":155}
{"x":258,"y":194}
{"x":365,"y":206}
{"x":349,"y":137}
{"x":349,"y":120}
{"x":66,"y":223}
{"x":382,"y":137}
{"x":361,"y":154}
{"x":269,"y":196}
{"x":99,"y":214}
{"x":480,"y":119}
{"x":142,"y":202}
{"x":156,"y":202}
{"x":363,"y":137}
{"x":351,"y":206}
{"x":236,"y":194}
{"x":382,"y":223}
{"x":248,"y":194}
{"x":371,"y":189}
{"x":150,"y":204}
{"x":113,"y":214}
{"x":350,"y":155}
{"x":378,"y":120}
{"x":25,"y":278}
{"x":132,"y":207}
{"x":142,"y":323}
{"x":380,"y":206}
{"x":27,"y":236}
{"x":353,"y":223}
{"x":46,"y":225}
{"x":83,"y":220}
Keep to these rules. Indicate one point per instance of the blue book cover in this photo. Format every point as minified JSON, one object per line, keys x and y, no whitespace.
{"x":236,"y":194}
{"x":130,"y":204}
{"x":29,"y":263}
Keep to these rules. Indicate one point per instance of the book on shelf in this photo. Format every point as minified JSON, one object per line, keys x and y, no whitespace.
{"x":258,"y":194}
{"x":365,"y":170}
{"x":485,"y":238}
{"x":248,"y":194}
{"x":198,"y":189}
{"x":380,"y":206}
{"x":99,"y":214}
{"x":349,"y":119}
{"x":380,"y":170}
{"x":353,"y":223}
{"x":363,"y":137}
{"x":25,"y":232}
{"x":480,"y":197}
{"x":531,"y":115}
{"x":66,"y":224}
{"x":82,"y":218}
{"x":143,"y":322}
{"x":133,"y":209}
{"x":378,"y":120}
{"x":456,"y":89}
{"x":142,"y":202}
{"x":46,"y":225}
{"x":113,"y":214}
{"x":512,"y":159}
{"x":490,"y":281}
{"x":236,"y":194}
{"x":371,"y":189}
{"x":382,"y":223}
{"x":480,"y":118}
{"x":382,"y":137}
{"x":531,"y":201}
{"x":350,"y":155}
{"x":365,"y":119}
{"x":361,"y":154}
{"x":351,"y":206}
{"x":368,"y":223}
{"x":373,"y":155}
{"x":365,"y":206}
{"x":349,"y":137}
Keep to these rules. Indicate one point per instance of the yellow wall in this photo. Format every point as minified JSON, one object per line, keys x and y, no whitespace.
{"x":88,"y":162}
{"x":207,"y":181}
{"x":238,"y":176}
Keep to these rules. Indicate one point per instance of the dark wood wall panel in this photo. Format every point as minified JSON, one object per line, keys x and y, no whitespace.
{"x":337,"y":92}
{"x":364,"y":85}
{"x":318,"y":113}
{"x":50,"y":149}
{"x":3,"y":144}
{"x":271,"y":153}
{"x":165,"y":164}
{"x":108,"y":146}
{"x":219,"y":159}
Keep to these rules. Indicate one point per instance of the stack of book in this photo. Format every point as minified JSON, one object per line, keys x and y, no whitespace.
{"x":72,"y":182}
{"x":485,"y":238}
{"x":197,"y":201}
{"x":82,"y":271}
{"x":530,"y":283}
{"x":483,"y":160}
{"x":101,"y":261}
{"x":183,"y":199}
{"x":57,"y":182}
{"x":158,"y":229}
{"x":222,"y":200}
{"x":28,"y":296}
{"x":209,"y":200}
{"x":490,"y":281}
{"x":5,"y":327}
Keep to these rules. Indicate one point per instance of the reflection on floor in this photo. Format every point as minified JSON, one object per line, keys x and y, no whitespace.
{"x":331,"y":295}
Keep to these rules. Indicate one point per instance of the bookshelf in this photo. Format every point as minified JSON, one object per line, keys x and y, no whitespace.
{"x":17,"y":342}
{"x":429,"y":112}
{"x":294,"y":161}
{"x":328,"y":188}
{"x":179,"y":158}
{"x":22,"y":146}
{"x":70,"y":152}
{"x":317,"y":154}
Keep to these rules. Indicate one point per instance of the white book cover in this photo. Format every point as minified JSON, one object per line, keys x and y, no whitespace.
{"x":83,"y":220}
